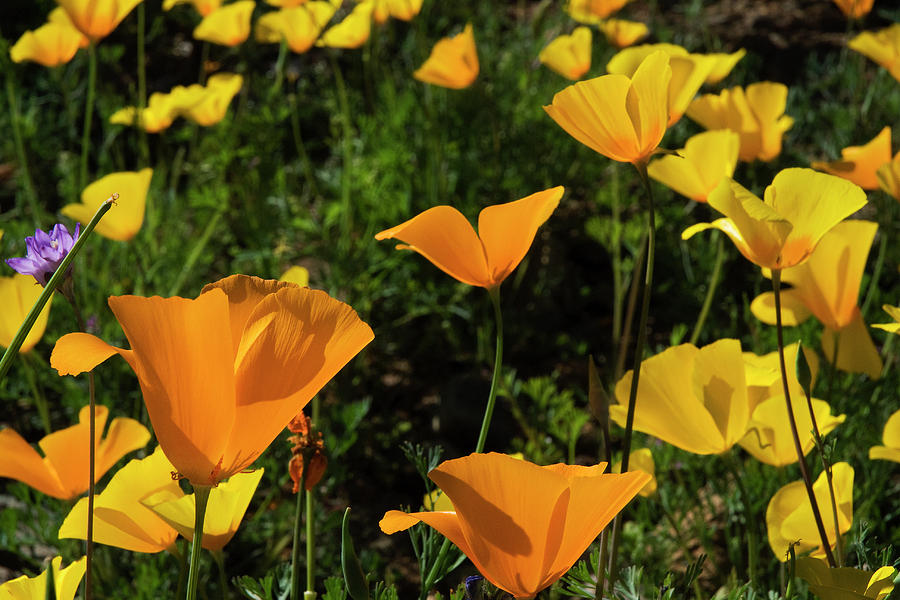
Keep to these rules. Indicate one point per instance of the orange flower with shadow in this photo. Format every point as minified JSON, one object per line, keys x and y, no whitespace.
{"x":228,"y":25}
{"x":882,"y":46}
{"x":888,"y":176}
{"x":569,"y":55}
{"x":854,"y":9}
{"x":697,"y":169}
{"x":96,"y":19}
{"x":224,"y":373}
{"x":591,"y":12}
{"x":453,"y":62}
{"x":622,"y":33}
{"x":860,"y":164}
{"x":63,"y":470}
{"x":522,"y":526}
{"x":505,"y":232}
{"x":51,"y":44}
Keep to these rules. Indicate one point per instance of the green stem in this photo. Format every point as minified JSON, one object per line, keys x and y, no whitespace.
{"x":195,"y":252}
{"x":301,"y":148}
{"x":801,"y":459}
{"x":749,"y":518}
{"x":494,"y":293}
{"x":88,"y":114}
{"x":201,"y":497}
{"x":142,"y":84}
{"x":621,"y":352}
{"x":30,"y":192}
{"x":219,"y":557}
{"x":310,"y":539}
{"x":346,"y":208}
{"x":601,"y":570}
{"x":876,"y":274}
{"x":640,"y":337}
{"x":295,"y":550}
{"x":279,"y":67}
{"x":618,"y":291}
{"x":40,"y":402}
{"x":57,"y":278}
{"x":710,"y":289}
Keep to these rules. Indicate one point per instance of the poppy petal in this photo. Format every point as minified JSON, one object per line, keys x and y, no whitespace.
{"x":23,"y":463}
{"x":856,"y":352}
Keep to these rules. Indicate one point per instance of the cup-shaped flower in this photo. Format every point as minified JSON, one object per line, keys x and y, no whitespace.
{"x":891,"y":440}
{"x":505,"y":232}
{"x":65,"y":582}
{"x":158,"y":115}
{"x":693,"y":398}
{"x":17,"y":295}
{"x":228,"y":25}
{"x":640,"y":460}
{"x":299,"y":26}
{"x":453,"y":62}
{"x":860,"y":164}
{"x":723,"y":65}
{"x":590,"y":12}
{"x":224,"y":373}
{"x":720,"y":64}
{"x":51,"y":45}
{"x":44,"y":252}
{"x":204,"y":7}
{"x":569,"y":55}
{"x":827,"y":286}
{"x":845,"y":583}
{"x":63,"y":471}
{"x":296,"y":274}
{"x":622,"y":33}
{"x":889,"y":177}
{"x":521,"y":525}
{"x":763,"y":375}
{"x":769,"y":438}
{"x":855,"y":9}
{"x":789,"y":516}
{"x":705,"y":160}
{"x":882,"y":46}
{"x":207,"y":106}
{"x":622,"y":118}
{"x":59,"y":16}
{"x":404,"y":10}
{"x":782,"y":230}
{"x":353,"y":31}
{"x":97,"y":18}
{"x":757,"y":115}
{"x":123,"y":223}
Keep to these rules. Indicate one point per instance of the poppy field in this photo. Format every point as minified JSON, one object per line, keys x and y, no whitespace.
{"x":383,"y":299}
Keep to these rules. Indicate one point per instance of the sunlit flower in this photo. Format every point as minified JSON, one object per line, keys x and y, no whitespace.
{"x":59,"y":16}
{"x":298,"y":275}
{"x":640,"y":460}
{"x":155,"y":117}
{"x":763,"y":373}
{"x":17,"y":295}
{"x":889,"y":177}
{"x":622,"y":33}
{"x":521,"y":525}
{"x":299,"y":26}
{"x":123,"y":223}
{"x":437,"y":500}
{"x":891,"y":440}
{"x":505,"y":232}
{"x":782,"y":231}
{"x":827,"y":286}
{"x":894,"y":312}
{"x":223,"y":374}
{"x":855,"y":9}
{"x":757,"y":115}
{"x":882,"y":46}
{"x":353,"y":31}
{"x":44,"y":252}
{"x":860,"y":164}
{"x":214,"y":101}
{"x":97,"y":18}
{"x":65,"y":582}
{"x":705,"y":160}
{"x":723,"y":65}
{"x":621,"y":118}
{"x":845,"y":583}
{"x":293,"y":3}
{"x":693,"y":398}
{"x":590,"y":12}
{"x":789,"y":516}
{"x":228,"y":25}
{"x":204,"y":7}
{"x":719,"y":64}
{"x":404,"y":10}
{"x":453,"y":62}
{"x":63,"y":471}
{"x":569,"y":55}
{"x":51,"y":45}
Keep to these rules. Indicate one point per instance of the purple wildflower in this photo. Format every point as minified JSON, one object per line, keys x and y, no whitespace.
{"x":44,"y":252}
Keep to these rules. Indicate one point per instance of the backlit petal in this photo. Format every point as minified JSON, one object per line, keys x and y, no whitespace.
{"x":856,"y":352}
{"x":860,"y":164}
{"x":17,"y":295}
{"x":22,"y":462}
{"x":228,"y":25}
{"x":127,"y":215}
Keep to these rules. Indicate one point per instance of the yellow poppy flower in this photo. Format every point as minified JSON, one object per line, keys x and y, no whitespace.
{"x":217,"y":396}
{"x":353,"y":31}
{"x":590,"y":12}
{"x":404,"y":10}
{"x":158,"y":115}
{"x":693,"y":398}
{"x":63,"y":471}
{"x":437,"y":500}
{"x":453,"y":62}
{"x":723,"y":63}
{"x":882,"y":46}
{"x":757,"y":115}
{"x":299,"y":26}
{"x":845,"y":583}
{"x":59,"y":16}
{"x":228,"y":25}
{"x":705,"y":160}
{"x":97,"y":18}
{"x":789,"y":516}
{"x":622,"y":33}
{"x":522,"y":542}
{"x":763,"y":374}
{"x":827,"y":286}
{"x":621,"y":118}
{"x":783,"y":233}
{"x":298,"y":275}
{"x":640,"y":460}
{"x":569,"y":55}
{"x":891,"y":440}
{"x":127,"y":216}
{"x":888,"y":176}
{"x":894,"y":312}
{"x":720,"y":64}
{"x":65,"y":582}
{"x":860,"y":164}
{"x":505,"y":232}
{"x":17,"y":295}
{"x":51,"y":45}
{"x":208,"y":105}
{"x":204,"y":7}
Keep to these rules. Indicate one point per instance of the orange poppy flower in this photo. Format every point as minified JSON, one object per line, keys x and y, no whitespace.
{"x":224,"y":373}
{"x":521,"y":525}
{"x":569,"y":55}
{"x":63,"y":471}
{"x":97,"y":18}
{"x":860,"y":164}
{"x":228,"y":25}
{"x":453,"y":62}
{"x":590,"y":12}
{"x":888,"y":176}
{"x":622,"y":33}
{"x":444,"y":236}
{"x":855,"y":9}
{"x":882,"y":46}
{"x":51,"y":45}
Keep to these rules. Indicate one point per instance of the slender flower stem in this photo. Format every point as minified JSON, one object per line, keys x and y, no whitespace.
{"x":640,"y":337}
{"x":621,"y":353}
{"x":301,"y":148}
{"x":801,"y":459}
{"x":616,"y":242}
{"x":88,"y":114}
{"x":295,"y":550}
{"x":346,"y":208}
{"x":219,"y":557}
{"x":196,"y":251}
{"x":20,"y":149}
{"x":40,"y":402}
{"x":710,"y":289}
{"x":310,"y":538}
{"x":494,"y":293}
{"x":142,"y":84}
{"x":201,"y":497}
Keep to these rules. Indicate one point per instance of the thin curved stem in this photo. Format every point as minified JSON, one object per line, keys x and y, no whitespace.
{"x":710,"y":289}
{"x":494,"y":293}
{"x":201,"y":497}
{"x":310,"y":537}
{"x":88,"y":114}
{"x":295,"y":550}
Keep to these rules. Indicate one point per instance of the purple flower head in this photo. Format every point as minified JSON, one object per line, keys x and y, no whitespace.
{"x":44,"y":252}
